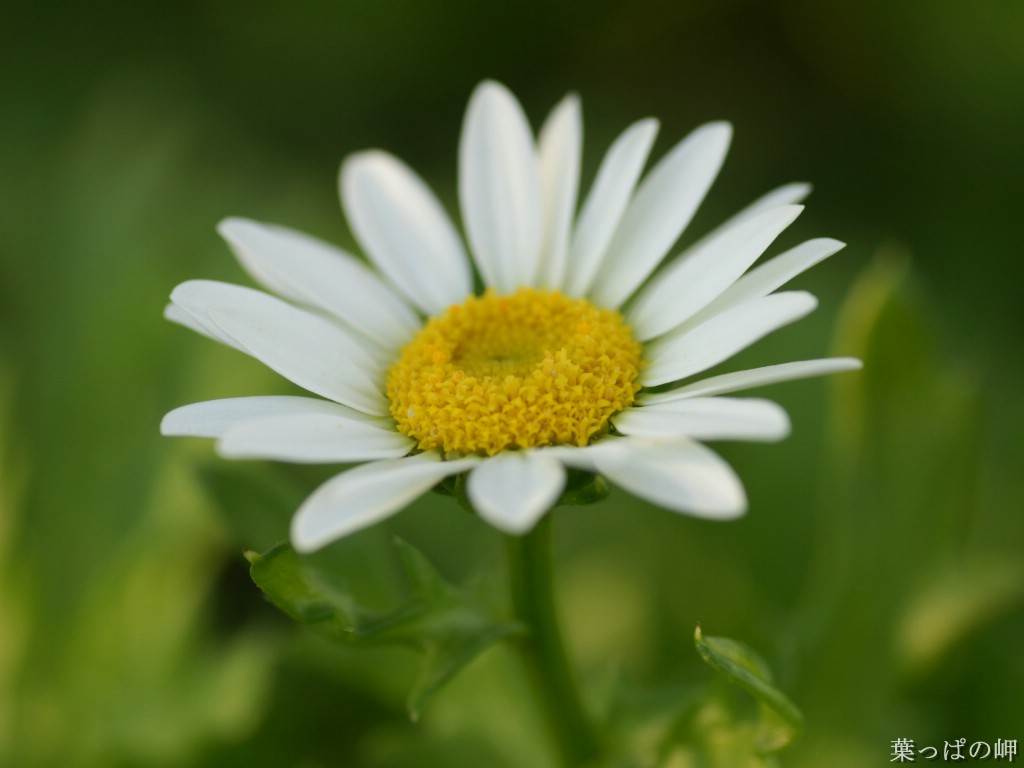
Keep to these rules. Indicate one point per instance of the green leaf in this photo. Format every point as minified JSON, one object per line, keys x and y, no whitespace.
{"x":781,"y":721}
{"x":450,"y":625}
{"x":295,"y":589}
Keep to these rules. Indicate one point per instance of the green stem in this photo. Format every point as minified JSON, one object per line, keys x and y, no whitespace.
{"x":542,"y":648}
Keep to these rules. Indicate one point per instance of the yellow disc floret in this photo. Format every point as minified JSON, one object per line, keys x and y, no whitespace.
{"x":501,"y":372}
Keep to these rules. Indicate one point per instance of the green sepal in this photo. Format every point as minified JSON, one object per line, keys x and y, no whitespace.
{"x":449,"y":625}
{"x":446,"y":487}
{"x":455,"y":487}
{"x":781,"y":721}
{"x":581,"y":488}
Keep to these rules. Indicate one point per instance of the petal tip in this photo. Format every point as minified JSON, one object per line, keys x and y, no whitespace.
{"x":230,"y":226}
{"x":718,"y":130}
{"x":571,"y":104}
{"x":305,"y":546}
{"x":355,"y":165}
{"x":733,"y":512}
{"x":800,"y":190}
{"x":167,"y":424}
{"x":303,"y":540}
{"x":488,"y":94}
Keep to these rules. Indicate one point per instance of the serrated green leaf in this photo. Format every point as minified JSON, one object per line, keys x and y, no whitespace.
{"x":443,"y":661}
{"x":781,"y":720}
{"x":293,"y":588}
{"x":450,"y":625}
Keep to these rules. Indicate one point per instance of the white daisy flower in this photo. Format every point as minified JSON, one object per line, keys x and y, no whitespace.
{"x":577,"y":353}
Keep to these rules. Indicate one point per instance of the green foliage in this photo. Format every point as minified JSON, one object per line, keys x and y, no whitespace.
{"x":908,"y":569}
{"x":780,"y":720}
{"x":449,"y":625}
{"x":255,"y":498}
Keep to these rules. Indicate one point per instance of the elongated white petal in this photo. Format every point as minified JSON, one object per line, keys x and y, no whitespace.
{"x":677,"y":356}
{"x":210,"y":297}
{"x":787,"y":194}
{"x":756,"y":377}
{"x":513,"y":490}
{"x":201,"y":325}
{"x":214,"y":418}
{"x":606,"y":202}
{"x":405,"y":231}
{"x":698,"y":276}
{"x":366,"y":495}
{"x":769,"y":276}
{"x":680,"y":475}
{"x":309,"y":271}
{"x":308,"y":350}
{"x":193,"y":299}
{"x":558,"y":149}
{"x":312,"y":438}
{"x":663,"y":206}
{"x":707,"y":418}
{"x":571,"y":456}
{"x":500,"y":189}
{"x":190,"y":300}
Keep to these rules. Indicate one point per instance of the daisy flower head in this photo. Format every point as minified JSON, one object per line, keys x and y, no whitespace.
{"x":548,"y":339}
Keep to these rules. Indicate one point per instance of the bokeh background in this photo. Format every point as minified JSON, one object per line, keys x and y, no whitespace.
{"x":880,"y":568}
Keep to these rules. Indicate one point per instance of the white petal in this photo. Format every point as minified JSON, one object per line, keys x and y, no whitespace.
{"x":787,"y":194}
{"x":201,"y":325}
{"x":308,"y":350}
{"x":367,"y":494}
{"x":707,"y":418}
{"x":405,"y":231}
{"x":559,"y":148}
{"x":309,"y":271}
{"x":680,"y":475}
{"x":768,"y":276}
{"x":571,"y":456}
{"x":193,"y":298}
{"x":699,"y":275}
{"x":215,"y":417}
{"x":513,"y":490}
{"x":314,"y":438}
{"x":207,"y":297}
{"x":500,"y":189}
{"x":606,"y":202}
{"x":756,"y":377}
{"x":679,"y":355}
{"x":663,"y":206}
{"x":188,"y":307}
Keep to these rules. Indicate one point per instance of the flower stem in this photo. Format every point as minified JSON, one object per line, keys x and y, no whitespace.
{"x":542,"y":649}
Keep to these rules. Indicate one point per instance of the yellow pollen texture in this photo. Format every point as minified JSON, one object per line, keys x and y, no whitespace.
{"x":502,"y":372}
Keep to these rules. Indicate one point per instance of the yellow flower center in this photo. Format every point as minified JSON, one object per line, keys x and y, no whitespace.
{"x":500,"y":372}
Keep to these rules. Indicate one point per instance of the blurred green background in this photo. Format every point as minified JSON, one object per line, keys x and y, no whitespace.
{"x":880,"y":568}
